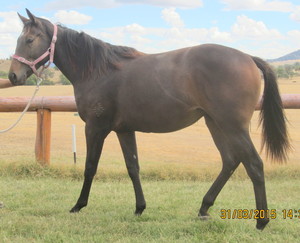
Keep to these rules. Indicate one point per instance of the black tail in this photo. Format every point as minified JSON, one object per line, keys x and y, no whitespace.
{"x":272,"y":117}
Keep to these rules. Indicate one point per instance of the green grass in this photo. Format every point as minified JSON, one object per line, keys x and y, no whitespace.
{"x":37,"y":201}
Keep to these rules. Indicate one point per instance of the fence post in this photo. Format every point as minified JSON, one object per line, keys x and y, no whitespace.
{"x":43,"y":136}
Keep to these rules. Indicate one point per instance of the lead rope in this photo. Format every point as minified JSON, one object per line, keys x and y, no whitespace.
{"x":39,"y":81}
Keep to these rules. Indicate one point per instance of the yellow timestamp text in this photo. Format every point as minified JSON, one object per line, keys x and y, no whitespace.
{"x":259,"y":214}
{"x":248,"y":214}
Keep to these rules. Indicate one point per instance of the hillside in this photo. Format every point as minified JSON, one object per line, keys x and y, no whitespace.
{"x":293,"y":56}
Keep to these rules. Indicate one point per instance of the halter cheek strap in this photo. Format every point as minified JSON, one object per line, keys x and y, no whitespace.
{"x":49,"y":52}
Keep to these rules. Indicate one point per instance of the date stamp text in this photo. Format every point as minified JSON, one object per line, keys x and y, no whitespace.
{"x":259,"y":214}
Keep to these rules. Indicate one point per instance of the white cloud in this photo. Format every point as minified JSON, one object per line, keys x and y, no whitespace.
{"x":246,"y":34}
{"x":259,"y":5}
{"x":11,"y":23}
{"x":72,"y":17}
{"x":252,"y":29}
{"x":162,"y":39}
{"x":166,"y":3}
{"x":295,"y":15}
{"x":172,"y":17}
{"x":10,"y":28}
{"x":135,"y":29}
{"x":265,"y":5}
{"x":67,"y":4}
{"x":71,"y":4}
{"x":294,"y":36}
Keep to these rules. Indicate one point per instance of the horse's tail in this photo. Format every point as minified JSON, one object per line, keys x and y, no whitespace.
{"x":274,"y":129}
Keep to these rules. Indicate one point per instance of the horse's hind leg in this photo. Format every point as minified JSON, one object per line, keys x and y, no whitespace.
{"x":247,"y":154}
{"x":128,"y":145}
{"x":254,"y":168}
{"x":229,"y":166}
{"x":235,"y":146}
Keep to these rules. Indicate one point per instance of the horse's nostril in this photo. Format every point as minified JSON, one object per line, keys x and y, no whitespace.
{"x":12,"y":77}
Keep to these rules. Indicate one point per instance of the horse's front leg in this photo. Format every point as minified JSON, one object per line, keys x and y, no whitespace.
{"x":94,"y":141}
{"x":128,"y":144}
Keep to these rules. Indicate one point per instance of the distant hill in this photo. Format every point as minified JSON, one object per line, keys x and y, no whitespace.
{"x":289,"y":57}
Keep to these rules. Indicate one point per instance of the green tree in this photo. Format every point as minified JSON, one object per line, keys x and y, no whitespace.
{"x":63,"y":80}
{"x":32,"y":80}
{"x":297,"y":66}
{"x":289,"y":69}
{"x":3,"y":74}
{"x":281,"y":72}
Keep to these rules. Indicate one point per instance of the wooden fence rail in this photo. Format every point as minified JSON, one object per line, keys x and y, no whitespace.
{"x":46,"y":104}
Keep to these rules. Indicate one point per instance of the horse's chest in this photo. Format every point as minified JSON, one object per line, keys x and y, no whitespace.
{"x":91,"y":108}
{"x":97,"y":109}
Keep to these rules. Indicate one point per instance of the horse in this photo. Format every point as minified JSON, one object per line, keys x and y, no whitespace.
{"x":122,"y":90}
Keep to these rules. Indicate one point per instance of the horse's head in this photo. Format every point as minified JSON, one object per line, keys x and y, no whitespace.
{"x":32,"y":43}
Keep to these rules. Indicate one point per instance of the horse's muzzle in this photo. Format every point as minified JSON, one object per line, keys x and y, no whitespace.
{"x":15,"y":80}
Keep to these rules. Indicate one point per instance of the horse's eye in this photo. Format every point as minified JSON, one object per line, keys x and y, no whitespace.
{"x":29,"y":41}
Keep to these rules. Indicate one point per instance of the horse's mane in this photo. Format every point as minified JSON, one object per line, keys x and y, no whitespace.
{"x":92,"y":56}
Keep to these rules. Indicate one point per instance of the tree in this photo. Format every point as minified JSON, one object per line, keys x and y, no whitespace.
{"x":3,"y":74}
{"x":47,"y":74}
{"x":281,"y":72}
{"x":297,"y":66}
{"x":289,"y":69}
{"x":63,"y":80}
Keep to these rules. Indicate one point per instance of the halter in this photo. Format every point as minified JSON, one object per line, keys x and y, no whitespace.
{"x":49,"y":52}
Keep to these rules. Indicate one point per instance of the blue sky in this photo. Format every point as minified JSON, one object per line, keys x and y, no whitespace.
{"x":265,"y":28}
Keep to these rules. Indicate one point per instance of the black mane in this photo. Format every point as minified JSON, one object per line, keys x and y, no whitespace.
{"x":93,"y":56}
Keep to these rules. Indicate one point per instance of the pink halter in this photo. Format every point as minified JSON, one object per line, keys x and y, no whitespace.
{"x":49,"y":52}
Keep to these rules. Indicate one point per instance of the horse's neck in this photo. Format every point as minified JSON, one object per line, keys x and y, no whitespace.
{"x":63,"y":63}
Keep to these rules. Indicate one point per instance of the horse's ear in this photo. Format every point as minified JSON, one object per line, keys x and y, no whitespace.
{"x":23,"y":19}
{"x":31,"y":16}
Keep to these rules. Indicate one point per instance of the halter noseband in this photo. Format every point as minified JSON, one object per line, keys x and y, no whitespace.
{"x":49,"y":52}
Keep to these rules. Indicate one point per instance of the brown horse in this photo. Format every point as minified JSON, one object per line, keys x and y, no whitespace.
{"x":123,"y":90}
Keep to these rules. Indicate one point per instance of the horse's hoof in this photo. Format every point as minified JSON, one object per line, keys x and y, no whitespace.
{"x":205,"y":217}
{"x":75,"y":210}
{"x":138,"y":213}
{"x":261,"y":223}
{"x":139,"y":210}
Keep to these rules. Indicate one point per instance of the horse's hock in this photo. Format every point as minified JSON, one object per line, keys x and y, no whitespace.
{"x":43,"y":106}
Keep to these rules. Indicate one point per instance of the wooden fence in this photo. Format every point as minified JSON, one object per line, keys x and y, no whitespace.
{"x":43,"y":106}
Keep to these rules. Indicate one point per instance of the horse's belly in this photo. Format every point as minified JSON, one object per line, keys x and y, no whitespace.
{"x":159,"y":122}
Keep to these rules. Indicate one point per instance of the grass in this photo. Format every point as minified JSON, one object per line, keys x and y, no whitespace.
{"x":36,"y":210}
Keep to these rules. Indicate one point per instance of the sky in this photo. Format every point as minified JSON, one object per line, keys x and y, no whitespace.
{"x":264,"y":28}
